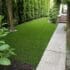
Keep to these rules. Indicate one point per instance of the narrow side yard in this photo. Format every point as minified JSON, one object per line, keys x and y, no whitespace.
{"x":31,"y":39}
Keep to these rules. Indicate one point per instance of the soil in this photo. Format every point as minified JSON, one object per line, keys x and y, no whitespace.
{"x":16,"y":65}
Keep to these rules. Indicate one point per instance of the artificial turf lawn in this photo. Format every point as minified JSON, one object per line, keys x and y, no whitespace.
{"x":31,"y":39}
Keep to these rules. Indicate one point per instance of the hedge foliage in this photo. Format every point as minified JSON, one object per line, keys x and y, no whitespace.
{"x":24,"y":10}
{"x":53,"y":12}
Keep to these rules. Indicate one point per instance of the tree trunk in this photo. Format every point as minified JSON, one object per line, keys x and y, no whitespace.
{"x":10,"y":14}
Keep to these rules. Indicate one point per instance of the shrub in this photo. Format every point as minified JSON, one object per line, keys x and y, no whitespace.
{"x":53,"y":13}
{"x":5,"y":50}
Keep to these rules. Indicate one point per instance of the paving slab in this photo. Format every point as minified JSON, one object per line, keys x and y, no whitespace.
{"x":58,"y":40}
{"x":54,"y":57}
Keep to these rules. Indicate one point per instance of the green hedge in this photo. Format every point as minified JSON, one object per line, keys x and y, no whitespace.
{"x":31,"y":9}
{"x":54,"y":11}
{"x":25,"y":10}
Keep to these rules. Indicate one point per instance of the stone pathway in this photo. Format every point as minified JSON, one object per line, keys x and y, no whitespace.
{"x":54,"y":57}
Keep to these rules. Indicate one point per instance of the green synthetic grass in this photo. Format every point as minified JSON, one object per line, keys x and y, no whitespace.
{"x":31,"y":39}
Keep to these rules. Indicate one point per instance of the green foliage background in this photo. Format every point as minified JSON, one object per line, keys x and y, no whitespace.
{"x":24,"y":10}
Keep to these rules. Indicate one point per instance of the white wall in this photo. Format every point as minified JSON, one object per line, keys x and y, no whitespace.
{"x":64,"y":8}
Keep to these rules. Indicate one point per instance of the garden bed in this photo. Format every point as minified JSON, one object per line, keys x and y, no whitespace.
{"x":17,"y":65}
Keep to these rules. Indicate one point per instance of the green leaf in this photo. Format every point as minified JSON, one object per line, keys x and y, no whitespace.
{"x":1,"y":54}
{"x":1,"y":17}
{"x":2,"y":42}
{"x":4,"y":47}
{"x":5,"y":61}
{"x":12,"y":53}
{"x":4,"y":34}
